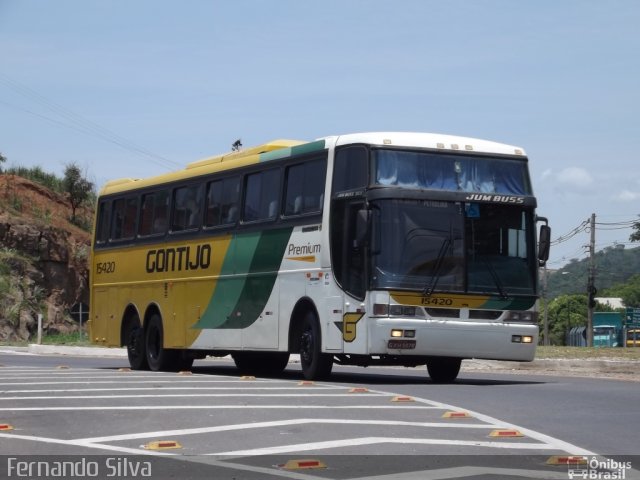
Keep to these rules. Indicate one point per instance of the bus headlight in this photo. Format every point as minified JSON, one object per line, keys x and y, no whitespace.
{"x":521,"y":338}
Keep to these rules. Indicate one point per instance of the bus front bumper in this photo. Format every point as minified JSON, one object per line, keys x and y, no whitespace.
{"x":453,"y":338}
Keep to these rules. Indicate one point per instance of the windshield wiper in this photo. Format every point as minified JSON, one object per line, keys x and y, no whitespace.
{"x":496,"y":278}
{"x":428,"y":290}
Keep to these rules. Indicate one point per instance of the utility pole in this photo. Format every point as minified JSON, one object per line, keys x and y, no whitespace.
{"x":546,"y":307}
{"x":591,"y":287}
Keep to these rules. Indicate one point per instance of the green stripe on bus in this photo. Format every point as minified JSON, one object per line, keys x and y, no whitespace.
{"x":275,"y":154}
{"x":247,"y":278}
{"x":308,"y":148}
{"x":292,"y":151}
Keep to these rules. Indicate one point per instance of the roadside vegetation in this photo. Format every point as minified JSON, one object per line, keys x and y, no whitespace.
{"x":45,"y":218}
{"x":74,"y":187}
{"x":557,"y":352}
{"x":18,"y":293}
{"x":74,"y":339}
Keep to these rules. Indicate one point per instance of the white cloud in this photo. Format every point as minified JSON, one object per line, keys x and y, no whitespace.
{"x":627,"y":196}
{"x":546,"y":174}
{"x":574,"y":177}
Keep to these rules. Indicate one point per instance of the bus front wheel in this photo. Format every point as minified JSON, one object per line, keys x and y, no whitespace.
{"x":443,"y":369}
{"x":315,"y":364}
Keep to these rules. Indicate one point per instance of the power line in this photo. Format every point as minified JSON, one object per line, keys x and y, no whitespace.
{"x":567,"y":236}
{"x":628,"y":222}
{"x":77,"y":122}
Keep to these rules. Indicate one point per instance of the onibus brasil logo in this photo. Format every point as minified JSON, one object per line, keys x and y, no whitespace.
{"x":599,"y":468}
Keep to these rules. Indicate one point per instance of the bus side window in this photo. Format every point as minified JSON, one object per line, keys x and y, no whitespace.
{"x":161,"y":212}
{"x":350,"y":169}
{"x":262,"y":191}
{"x":124,"y":216}
{"x":187,"y":208}
{"x":154,"y":213}
{"x":222,"y":202}
{"x":102,"y":230}
{"x":304,"y":187}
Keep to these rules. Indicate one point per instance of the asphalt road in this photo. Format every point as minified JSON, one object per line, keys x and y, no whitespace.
{"x":361,"y":424}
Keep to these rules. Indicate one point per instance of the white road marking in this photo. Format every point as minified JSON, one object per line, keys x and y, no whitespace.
{"x":557,"y":443}
{"x":214,"y":407}
{"x":132,"y":382}
{"x":59,"y":441}
{"x":360,"y":441}
{"x":281,"y":423}
{"x":192,"y":395}
{"x":162,"y":389}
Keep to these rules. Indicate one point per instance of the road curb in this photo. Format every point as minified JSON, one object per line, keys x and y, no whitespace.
{"x":76,"y":351}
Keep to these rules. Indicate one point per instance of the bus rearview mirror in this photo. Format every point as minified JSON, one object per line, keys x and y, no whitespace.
{"x":544,"y":244}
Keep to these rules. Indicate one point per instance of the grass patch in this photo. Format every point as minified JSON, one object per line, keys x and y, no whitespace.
{"x":77,"y":339}
{"x":588,"y":353}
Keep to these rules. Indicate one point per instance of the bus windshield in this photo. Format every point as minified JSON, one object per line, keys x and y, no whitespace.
{"x":436,"y":171}
{"x":453,"y":246}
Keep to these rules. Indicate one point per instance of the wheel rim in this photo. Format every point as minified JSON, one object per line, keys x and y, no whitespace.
{"x":135,"y":342}
{"x":154,"y":340}
{"x":306,"y":347}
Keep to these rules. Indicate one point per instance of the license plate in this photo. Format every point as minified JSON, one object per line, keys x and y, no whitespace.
{"x":401,"y":344}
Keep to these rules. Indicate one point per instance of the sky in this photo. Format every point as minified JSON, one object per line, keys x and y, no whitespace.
{"x":137,"y":88}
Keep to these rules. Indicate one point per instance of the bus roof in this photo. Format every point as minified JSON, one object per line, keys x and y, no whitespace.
{"x":283,"y":148}
{"x":429,"y":140}
{"x":248,"y":156}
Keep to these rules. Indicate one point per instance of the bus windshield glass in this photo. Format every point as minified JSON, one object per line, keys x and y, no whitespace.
{"x":452,"y":246}
{"x":439,"y":171}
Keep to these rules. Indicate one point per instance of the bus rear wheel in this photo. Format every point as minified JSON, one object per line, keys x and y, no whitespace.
{"x":136,"y":346}
{"x":315,"y":364}
{"x":443,"y":369}
{"x":158,"y":357}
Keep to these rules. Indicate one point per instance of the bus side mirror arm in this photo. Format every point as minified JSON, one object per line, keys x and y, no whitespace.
{"x":544,"y":241}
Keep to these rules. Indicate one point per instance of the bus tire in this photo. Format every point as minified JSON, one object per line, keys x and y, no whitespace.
{"x":158,"y":357}
{"x":136,"y":345}
{"x":269,"y":363}
{"x":443,"y":369}
{"x":315,"y":364}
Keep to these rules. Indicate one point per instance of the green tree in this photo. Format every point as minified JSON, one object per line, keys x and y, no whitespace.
{"x":635,"y":236}
{"x":565,"y":312}
{"x":2,"y":160}
{"x":77,"y":187}
{"x":629,"y":291}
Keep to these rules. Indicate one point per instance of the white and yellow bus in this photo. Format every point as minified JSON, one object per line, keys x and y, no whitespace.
{"x":362,"y":249}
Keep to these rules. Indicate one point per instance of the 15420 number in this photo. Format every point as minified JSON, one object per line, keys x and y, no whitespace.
{"x":437,"y":301}
{"x":105,"y":267}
